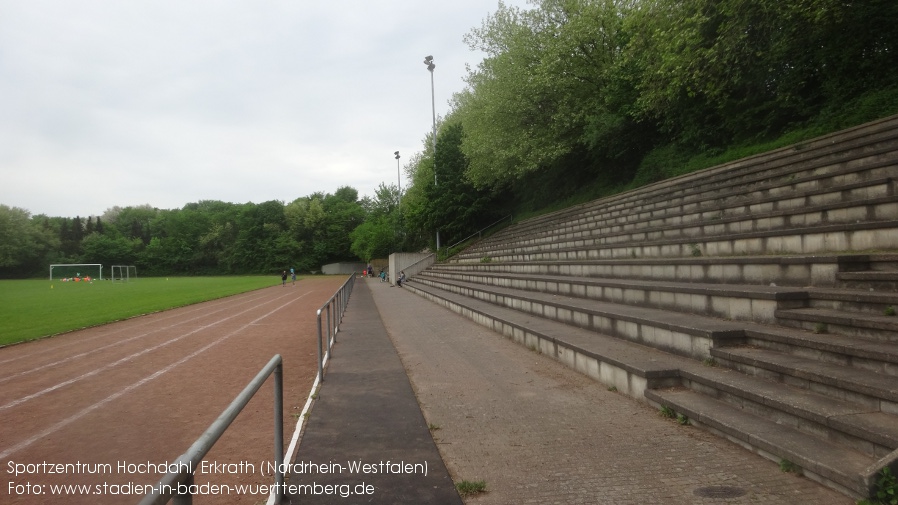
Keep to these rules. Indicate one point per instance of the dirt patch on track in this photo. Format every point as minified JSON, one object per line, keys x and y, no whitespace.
{"x":108,"y":400}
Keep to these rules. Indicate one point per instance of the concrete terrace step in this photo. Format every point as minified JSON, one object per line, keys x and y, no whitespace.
{"x":866,"y":276}
{"x":762,"y":270}
{"x":787,"y":188}
{"x":685,"y":334}
{"x":877,"y":391}
{"x":729,"y":301}
{"x":592,"y":309}
{"x":721,"y":208}
{"x":823,"y":239}
{"x":868,"y":354}
{"x":791,"y":165}
{"x":775,"y":223}
{"x":780,"y":162}
{"x":630,"y":367}
{"x":733,"y":219}
{"x":873,"y":303}
{"x":871,"y":280}
{"x":825,"y":320}
{"x":872,"y":432}
{"x":819,"y":458}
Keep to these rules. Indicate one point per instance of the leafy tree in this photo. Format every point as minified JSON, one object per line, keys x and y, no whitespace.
{"x":132,"y":222}
{"x":24,"y":243}
{"x":71,"y":234}
{"x":14,"y":235}
{"x":714,"y":72}
{"x":342,"y":213}
{"x":99,"y":248}
{"x":377,"y":237}
{"x":453,"y":205}
{"x":382,"y":232}
{"x":546,"y":89}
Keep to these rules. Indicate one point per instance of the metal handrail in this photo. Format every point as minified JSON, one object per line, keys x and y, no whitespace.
{"x":177,"y":485}
{"x":339,"y":300}
{"x":479,"y":232}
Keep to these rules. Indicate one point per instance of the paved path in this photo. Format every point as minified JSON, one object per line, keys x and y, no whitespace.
{"x":366,"y":414}
{"x":538,"y":432}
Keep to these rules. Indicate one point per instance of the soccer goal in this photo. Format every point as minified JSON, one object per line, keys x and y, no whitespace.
{"x":78,"y":271}
{"x":123,"y":273}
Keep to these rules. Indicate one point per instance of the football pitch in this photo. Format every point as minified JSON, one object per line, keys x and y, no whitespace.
{"x":31,"y":309}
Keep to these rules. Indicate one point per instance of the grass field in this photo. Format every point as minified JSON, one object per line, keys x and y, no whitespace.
{"x":31,"y":309}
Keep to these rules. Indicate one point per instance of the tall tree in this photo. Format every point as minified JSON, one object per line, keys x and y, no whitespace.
{"x":382,"y":232}
{"x":25,"y":244}
{"x":545,"y":89}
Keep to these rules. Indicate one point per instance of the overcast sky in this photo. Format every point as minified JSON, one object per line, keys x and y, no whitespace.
{"x":114,"y":103}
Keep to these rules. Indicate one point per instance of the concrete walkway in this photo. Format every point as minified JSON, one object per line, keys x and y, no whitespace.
{"x":532,"y":429}
{"x":365,"y":440}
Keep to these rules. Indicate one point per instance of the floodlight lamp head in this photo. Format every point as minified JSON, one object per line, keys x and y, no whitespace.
{"x":397,"y":154}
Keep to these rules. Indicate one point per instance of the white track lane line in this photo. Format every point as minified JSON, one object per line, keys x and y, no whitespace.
{"x":89,"y":339}
{"x":101,"y":348}
{"x":83,"y":412}
{"x":108,"y":366}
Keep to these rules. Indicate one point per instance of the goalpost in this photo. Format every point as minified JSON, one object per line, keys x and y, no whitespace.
{"x":123,"y":273}
{"x":67,"y":270}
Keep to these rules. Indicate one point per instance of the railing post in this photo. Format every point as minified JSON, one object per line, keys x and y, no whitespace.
{"x":330,"y":323}
{"x":279,"y":431}
{"x":320,"y":352}
{"x":332,"y":311}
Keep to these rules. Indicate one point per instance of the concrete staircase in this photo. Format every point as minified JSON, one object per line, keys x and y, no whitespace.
{"x":753,"y":298}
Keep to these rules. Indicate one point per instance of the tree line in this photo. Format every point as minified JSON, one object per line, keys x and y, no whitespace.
{"x":574,"y":99}
{"x":207,"y":237}
{"x":624,"y":89}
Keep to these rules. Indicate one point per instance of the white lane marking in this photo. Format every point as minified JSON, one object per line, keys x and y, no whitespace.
{"x":83,"y":412}
{"x":40,"y":350}
{"x":101,"y":348}
{"x":108,"y":366}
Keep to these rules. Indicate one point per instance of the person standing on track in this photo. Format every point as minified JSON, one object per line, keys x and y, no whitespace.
{"x":284,"y":279}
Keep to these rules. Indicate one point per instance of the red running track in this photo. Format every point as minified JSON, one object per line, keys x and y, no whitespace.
{"x":108,"y":400}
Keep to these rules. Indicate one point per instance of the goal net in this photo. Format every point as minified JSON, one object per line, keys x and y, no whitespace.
{"x":123,"y":273}
{"x":76,"y":271}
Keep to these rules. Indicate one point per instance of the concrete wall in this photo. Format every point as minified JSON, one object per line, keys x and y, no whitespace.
{"x":411,"y":263}
{"x":344,"y":268}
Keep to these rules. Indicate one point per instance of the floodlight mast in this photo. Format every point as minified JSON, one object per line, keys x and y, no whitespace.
{"x":428,"y":60}
{"x":398,"y":204}
{"x":398,"y":183}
